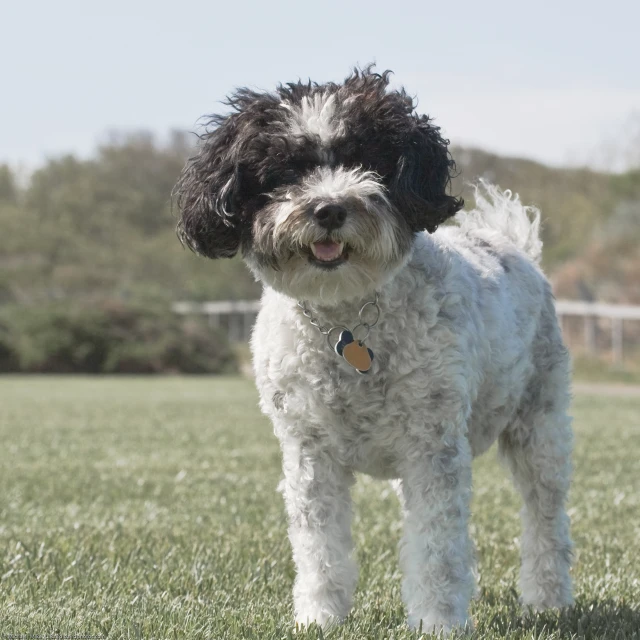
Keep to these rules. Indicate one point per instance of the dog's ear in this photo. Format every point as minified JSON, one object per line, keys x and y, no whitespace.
{"x":423,"y":175}
{"x":208,"y":194}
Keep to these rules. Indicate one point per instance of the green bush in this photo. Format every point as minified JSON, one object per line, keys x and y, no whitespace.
{"x":8,"y":353}
{"x":109,"y":337}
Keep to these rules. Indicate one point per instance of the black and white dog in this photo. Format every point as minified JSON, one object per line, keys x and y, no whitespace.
{"x":386,"y":345}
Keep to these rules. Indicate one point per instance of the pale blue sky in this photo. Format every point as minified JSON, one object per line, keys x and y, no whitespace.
{"x":547,"y":80}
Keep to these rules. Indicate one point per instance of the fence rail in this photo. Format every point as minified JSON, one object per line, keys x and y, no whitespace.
{"x":237,"y":318}
{"x":597,"y":309}
{"x":591,"y":312}
{"x":221,"y":307}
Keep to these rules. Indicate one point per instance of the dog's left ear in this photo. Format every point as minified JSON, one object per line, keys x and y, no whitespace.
{"x":423,"y":175}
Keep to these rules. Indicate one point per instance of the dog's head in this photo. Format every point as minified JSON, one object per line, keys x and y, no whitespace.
{"x":321,"y":187}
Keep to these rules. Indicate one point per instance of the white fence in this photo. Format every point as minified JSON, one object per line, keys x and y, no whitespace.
{"x":591,"y":312}
{"x":236,"y":317}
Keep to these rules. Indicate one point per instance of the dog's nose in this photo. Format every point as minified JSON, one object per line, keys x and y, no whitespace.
{"x":330,"y":216}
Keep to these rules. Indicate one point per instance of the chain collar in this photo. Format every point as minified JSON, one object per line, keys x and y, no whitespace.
{"x":358,"y":334}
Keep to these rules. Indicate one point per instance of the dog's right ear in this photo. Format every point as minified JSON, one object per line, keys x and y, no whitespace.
{"x":208,"y":194}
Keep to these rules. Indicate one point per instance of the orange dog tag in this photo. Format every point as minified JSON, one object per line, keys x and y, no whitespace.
{"x":355,"y":352}
{"x":357,"y":355}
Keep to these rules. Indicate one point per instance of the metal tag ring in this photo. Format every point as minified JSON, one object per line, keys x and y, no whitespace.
{"x":376,"y":307}
{"x":366,"y":335}
{"x":333,"y":346}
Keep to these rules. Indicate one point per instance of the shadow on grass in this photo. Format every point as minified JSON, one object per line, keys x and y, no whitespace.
{"x":588,"y":619}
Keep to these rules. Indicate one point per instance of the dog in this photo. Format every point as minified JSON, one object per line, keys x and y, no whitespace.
{"x":388,"y":344}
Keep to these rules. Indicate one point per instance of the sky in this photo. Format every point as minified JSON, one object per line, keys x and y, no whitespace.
{"x":556,"y":81}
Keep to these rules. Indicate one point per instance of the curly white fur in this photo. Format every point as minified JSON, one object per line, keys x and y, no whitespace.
{"x":467,"y":352}
{"x":502,"y":212}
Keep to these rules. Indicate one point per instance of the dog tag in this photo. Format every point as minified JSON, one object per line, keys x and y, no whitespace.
{"x":355,"y":352}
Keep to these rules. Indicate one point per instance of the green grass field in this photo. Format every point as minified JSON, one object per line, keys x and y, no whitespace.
{"x":147,"y":507}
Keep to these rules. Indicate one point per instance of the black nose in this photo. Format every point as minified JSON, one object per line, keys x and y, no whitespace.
{"x":330,"y":216}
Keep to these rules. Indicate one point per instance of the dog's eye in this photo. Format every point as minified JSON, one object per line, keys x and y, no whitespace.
{"x":289,"y":175}
{"x":351,"y":151}
{"x":277,"y":178}
{"x":261,"y":201}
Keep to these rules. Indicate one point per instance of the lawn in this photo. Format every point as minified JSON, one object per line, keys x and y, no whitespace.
{"x":147,"y":507}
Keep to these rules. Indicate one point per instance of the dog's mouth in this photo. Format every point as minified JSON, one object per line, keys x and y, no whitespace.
{"x":328,"y":254}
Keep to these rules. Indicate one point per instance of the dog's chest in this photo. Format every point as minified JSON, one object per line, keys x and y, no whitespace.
{"x":357,"y":419}
{"x":361,"y":418}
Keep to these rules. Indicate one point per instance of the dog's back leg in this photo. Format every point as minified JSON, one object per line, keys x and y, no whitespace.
{"x":537,"y":450}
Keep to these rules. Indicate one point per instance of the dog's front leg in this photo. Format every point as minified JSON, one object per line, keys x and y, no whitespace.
{"x":316,"y":491}
{"x":436,"y":551}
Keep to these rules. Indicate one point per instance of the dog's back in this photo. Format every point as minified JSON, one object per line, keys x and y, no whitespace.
{"x":497,"y":249}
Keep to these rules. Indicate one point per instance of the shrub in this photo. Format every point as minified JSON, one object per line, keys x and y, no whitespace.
{"x":110,"y":337}
{"x":8,"y":352}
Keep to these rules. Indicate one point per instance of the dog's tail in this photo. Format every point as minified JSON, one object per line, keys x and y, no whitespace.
{"x":502,"y":211}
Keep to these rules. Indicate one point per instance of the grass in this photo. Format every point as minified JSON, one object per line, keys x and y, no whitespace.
{"x":146,"y":508}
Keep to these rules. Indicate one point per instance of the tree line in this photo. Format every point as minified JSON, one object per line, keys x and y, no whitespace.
{"x":103,"y":227}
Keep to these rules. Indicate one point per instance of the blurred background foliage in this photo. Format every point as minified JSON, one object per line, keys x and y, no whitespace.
{"x":111,"y":336}
{"x":81,"y":238}
{"x":86,"y":229}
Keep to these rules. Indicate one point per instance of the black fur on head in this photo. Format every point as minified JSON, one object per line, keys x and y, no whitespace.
{"x":262,"y":147}
{"x":214,"y":208}
{"x":407,"y":150}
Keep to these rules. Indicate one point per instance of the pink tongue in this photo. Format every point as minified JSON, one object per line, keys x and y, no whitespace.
{"x":327,"y":250}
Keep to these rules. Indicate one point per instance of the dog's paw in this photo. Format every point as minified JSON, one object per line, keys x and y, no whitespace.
{"x":551,"y":590}
{"x":327,"y":607}
{"x":321,"y":618}
{"x":542,"y":602}
{"x":441,"y":626}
